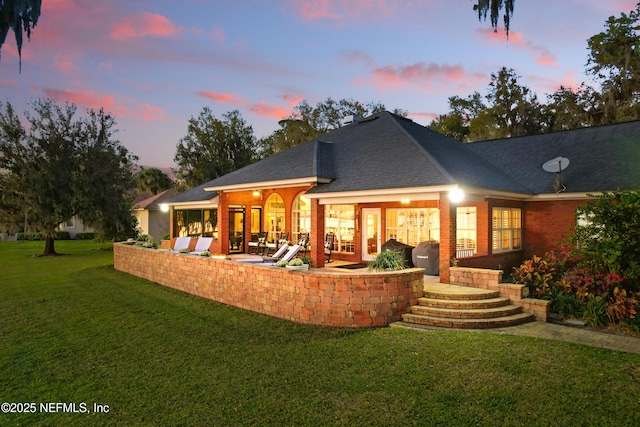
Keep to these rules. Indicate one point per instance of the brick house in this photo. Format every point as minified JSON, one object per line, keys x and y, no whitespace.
{"x":488,"y":204}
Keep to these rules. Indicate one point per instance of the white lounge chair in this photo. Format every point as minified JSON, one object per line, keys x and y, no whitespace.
{"x":279,"y":253}
{"x":181,"y":243}
{"x":202,"y":245}
{"x":291,"y":252}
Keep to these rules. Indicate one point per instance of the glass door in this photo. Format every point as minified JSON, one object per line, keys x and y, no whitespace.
{"x":371,"y":237}
{"x":236,"y":230}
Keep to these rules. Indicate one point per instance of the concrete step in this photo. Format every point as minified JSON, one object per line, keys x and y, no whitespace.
{"x":459,"y":293}
{"x":496,"y":322}
{"x":467,"y":313}
{"x":464,"y":304}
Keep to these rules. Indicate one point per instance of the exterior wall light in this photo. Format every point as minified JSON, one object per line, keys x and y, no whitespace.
{"x":164,"y":207}
{"x":456,"y":195}
{"x":256,"y":193}
{"x":405,"y":201}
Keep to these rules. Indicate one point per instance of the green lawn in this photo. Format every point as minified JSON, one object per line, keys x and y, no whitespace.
{"x":73,"y":330}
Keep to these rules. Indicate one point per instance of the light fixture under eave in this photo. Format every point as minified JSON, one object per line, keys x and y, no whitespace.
{"x":256,"y":193}
{"x":456,"y":195}
{"x":164,"y":207}
{"x":405,"y":201}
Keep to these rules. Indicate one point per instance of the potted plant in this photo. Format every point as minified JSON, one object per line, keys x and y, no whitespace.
{"x":183,"y":250}
{"x":387,"y":261}
{"x":205,"y":253}
{"x":297,"y":264}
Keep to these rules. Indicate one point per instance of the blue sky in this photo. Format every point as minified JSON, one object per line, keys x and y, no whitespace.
{"x":155,"y":64}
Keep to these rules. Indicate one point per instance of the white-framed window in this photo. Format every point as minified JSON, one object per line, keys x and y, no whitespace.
{"x":466,"y":231}
{"x":340,"y":220}
{"x":300,"y":216}
{"x":506,"y":229}
{"x":413,"y":225}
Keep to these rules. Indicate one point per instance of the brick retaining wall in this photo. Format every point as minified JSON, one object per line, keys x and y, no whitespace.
{"x":492,"y":279}
{"x":316,"y":297}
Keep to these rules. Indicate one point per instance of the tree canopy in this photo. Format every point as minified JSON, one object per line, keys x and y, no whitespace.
{"x":493,"y":8}
{"x":308,"y":122}
{"x":152,"y":180}
{"x":16,"y":15}
{"x":214,"y":147}
{"x":59,"y":166}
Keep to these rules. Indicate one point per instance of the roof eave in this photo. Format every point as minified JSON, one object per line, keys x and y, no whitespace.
{"x":283,"y":183}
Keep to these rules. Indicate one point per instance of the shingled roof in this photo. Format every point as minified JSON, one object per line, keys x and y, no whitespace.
{"x":389,"y":152}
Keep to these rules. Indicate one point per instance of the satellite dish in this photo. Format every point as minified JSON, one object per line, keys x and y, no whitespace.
{"x":556,"y":165}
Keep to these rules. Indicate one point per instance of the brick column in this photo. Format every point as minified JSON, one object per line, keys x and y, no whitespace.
{"x":223,"y":223}
{"x":447,"y":235}
{"x":316,"y":235}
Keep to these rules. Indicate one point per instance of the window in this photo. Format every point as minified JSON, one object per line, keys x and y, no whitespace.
{"x":413,"y":225}
{"x":300,"y":216}
{"x":195,"y":223}
{"x":507,"y":229}
{"x":466,"y":235}
{"x":339,"y":220}
{"x":274,"y":216}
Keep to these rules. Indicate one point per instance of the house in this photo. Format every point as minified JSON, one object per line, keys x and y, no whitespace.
{"x":488,"y":204}
{"x":153,"y":214}
{"x":74,"y":226}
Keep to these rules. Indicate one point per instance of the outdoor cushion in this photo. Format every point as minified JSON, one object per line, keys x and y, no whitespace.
{"x":181,"y":243}
{"x":202,"y":245}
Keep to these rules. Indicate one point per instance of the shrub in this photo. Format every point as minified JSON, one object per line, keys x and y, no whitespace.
{"x":296,"y":262}
{"x":568,"y":305}
{"x":306,"y":260}
{"x":622,"y":307}
{"x":536,"y":274}
{"x":595,"y":313}
{"x":62,"y":235}
{"x":85,"y":236}
{"x":183,"y":250}
{"x":167,"y":236}
{"x":387,"y":261}
{"x":205,"y":253}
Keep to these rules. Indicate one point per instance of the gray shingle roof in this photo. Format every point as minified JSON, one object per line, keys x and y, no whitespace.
{"x":386,"y":152}
{"x":601,"y":158}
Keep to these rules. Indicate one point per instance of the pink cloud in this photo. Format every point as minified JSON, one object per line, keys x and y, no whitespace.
{"x":117,"y":107}
{"x":218,"y":34}
{"x":425,"y":76}
{"x":542,"y":54}
{"x":426,"y":116}
{"x":223,"y":98}
{"x":354,"y":10}
{"x":292,"y":100}
{"x":9,"y":83}
{"x":149,"y":24}
{"x":66,"y":68}
{"x":275,"y":111}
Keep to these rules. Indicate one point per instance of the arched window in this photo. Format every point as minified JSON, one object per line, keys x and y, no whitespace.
{"x":274,"y":216}
{"x":300,"y":217}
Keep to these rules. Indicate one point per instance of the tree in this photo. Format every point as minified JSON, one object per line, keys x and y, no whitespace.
{"x":152,"y":180}
{"x":493,"y":8}
{"x":214,"y":147}
{"x":307,"y":122}
{"x":614,"y":59}
{"x":61,"y":166}
{"x":510,"y":110}
{"x":16,"y":15}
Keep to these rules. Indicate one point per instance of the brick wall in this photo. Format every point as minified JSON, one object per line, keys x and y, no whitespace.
{"x":314,"y":297}
{"x":548,"y":223}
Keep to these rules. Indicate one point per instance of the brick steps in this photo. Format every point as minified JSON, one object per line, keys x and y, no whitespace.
{"x":465,"y":308}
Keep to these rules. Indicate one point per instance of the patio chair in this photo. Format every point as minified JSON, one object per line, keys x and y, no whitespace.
{"x":328,"y":245}
{"x":291,"y":252}
{"x":281,"y":240}
{"x":279,"y":253}
{"x":202,"y":245}
{"x":303,"y":241}
{"x":259,"y":244}
{"x":181,"y":243}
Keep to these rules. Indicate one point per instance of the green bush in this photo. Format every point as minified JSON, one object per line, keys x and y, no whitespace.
{"x":568,"y":305}
{"x":595,"y":313}
{"x":85,"y":236}
{"x":536,"y":274}
{"x":387,"y":261}
{"x":167,"y":236}
{"x":62,"y":235}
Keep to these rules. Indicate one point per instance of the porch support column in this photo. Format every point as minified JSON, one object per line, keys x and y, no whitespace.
{"x":223,"y":222}
{"x":316,"y":234}
{"x":447,"y":235}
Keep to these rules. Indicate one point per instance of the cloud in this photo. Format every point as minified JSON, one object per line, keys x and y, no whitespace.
{"x":354,"y":10}
{"x":66,"y":68}
{"x":292,"y":100}
{"x":223,"y":98}
{"x":542,"y":55}
{"x":147,"y":24}
{"x":426,"y":116}
{"x":358,"y":57}
{"x":218,"y":34}
{"x":119,"y":107}
{"x":261,"y":108}
{"x":422,"y":76}
{"x":9,"y":83}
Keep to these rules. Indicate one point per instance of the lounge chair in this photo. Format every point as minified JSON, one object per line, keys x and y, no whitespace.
{"x":281,"y":240}
{"x":202,"y":245}
{"x":291,"y":252}
{"x":279,"y":253}
{"x":181,"y":243}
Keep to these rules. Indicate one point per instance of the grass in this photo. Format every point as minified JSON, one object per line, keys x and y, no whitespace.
{"x":74,"y":330}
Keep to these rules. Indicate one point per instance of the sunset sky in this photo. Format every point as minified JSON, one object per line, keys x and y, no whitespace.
{"x":155,"y":64}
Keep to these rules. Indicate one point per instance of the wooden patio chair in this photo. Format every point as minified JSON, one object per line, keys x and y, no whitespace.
{"x":258,"y":245}
{"x":329,"y":238}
